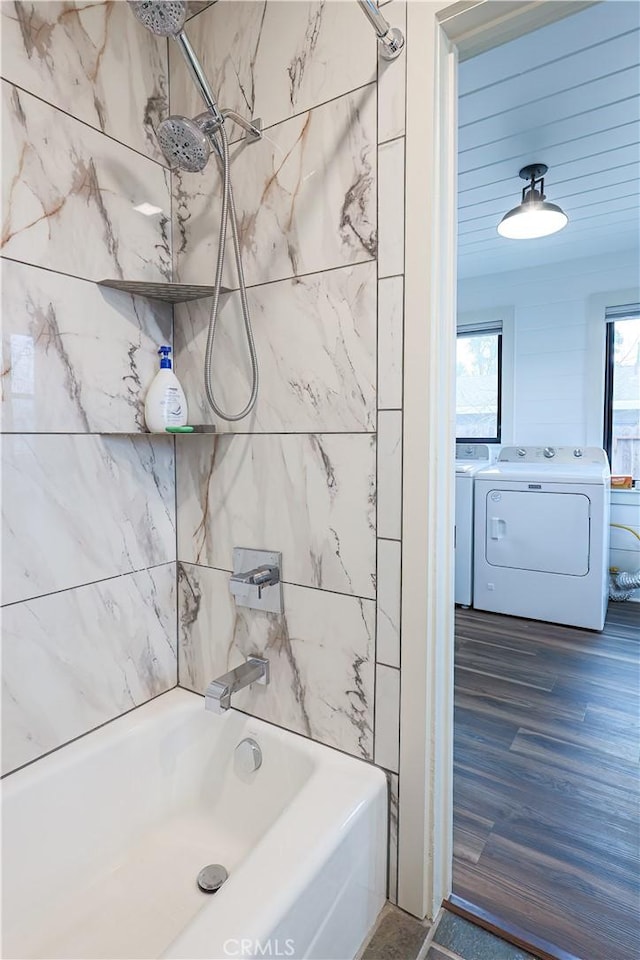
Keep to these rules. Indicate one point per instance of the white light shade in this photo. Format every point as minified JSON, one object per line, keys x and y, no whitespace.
{"x":531,"y":219}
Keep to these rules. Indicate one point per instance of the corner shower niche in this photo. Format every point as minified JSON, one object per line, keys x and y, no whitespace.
{"x":167,"y":293}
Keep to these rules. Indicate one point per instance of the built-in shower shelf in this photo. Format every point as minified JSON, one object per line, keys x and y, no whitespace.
{"x":168,"y":292}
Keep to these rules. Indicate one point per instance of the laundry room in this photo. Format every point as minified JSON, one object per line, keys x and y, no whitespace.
{"x":547,"y":485}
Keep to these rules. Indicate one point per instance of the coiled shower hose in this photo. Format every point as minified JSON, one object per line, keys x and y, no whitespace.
{"x":228,"y":211}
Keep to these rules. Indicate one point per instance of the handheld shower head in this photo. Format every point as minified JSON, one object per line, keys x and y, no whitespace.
{"x":184,"y":142}
{"x":165,"y":18}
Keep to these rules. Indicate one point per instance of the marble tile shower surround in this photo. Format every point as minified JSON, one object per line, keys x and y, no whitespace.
{"x":387,"y":710}
{"x":389,"y":590}
{"x":321,"y":654}
{"x":390,"y":342}
{"x":393,"y":836}
{"x":73,"y":660}
{"x":311,"y":496}
{"x":305,"y":195}
{"x":69,"y":193}
{"x":90,"y":60}
{"x":391,"y":208}
{"x":276,"y":59}
{"x":101,"y":506}
{"x":390,"y":474}
{"x":316,"y":340}
{"x":89,"y":520}
{"x":77,"y":357}
{"x":308,"y":198}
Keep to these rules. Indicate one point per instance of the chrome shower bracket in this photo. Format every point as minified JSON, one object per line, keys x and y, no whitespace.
{"x":252,"y":129}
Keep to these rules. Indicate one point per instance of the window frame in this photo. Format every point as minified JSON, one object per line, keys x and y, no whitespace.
{"x":609,"y":374}
{"x":471,"y":332}
{"x":609,"y":366}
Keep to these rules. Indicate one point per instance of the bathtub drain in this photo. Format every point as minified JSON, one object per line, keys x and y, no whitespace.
{"x":211,"y":877}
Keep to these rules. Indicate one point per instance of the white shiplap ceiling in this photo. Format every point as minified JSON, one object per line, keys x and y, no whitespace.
{"x":567,"y":95}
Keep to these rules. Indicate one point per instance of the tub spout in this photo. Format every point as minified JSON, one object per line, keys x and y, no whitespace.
{"x":218,"y":694}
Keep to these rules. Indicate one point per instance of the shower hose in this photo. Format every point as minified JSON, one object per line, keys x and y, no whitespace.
{"x":228,"y":212}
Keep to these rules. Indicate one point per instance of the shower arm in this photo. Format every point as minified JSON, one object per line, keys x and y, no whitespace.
{"x":253,"y":130}
{"x":390,"y":39}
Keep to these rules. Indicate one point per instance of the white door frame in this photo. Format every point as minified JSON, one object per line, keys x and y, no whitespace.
{"x":438,"y":35}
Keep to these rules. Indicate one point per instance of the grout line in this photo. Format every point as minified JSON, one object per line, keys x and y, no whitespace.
{"x":374,"y":710}
{"x":173,"y":350}
{"x":402,"y":397}
{"x":297,"y":277}
{"x":87,"y":583}
{"x":86,"y":733}
{"x":323,"y":103}
{"x":74,"y":276}
{"x":400,"y":136}
{"x":289,"y":583}
{"x":192,"y":16}
{"x":250,"y":286}
{"x":85,"y":123}
{"x":295,"y":733}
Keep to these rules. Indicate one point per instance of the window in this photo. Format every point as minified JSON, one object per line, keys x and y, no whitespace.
{"x":622,"y":390}
{"x":478,"y":385}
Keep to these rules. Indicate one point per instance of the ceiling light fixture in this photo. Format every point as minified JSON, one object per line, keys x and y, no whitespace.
{"x":533,"y":217}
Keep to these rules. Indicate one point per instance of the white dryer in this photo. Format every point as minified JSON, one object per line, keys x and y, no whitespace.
{"x":470,"y":457}
{"x":542,"y":535}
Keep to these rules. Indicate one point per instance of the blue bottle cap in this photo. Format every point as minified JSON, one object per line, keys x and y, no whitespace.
{"x":165,"y":359}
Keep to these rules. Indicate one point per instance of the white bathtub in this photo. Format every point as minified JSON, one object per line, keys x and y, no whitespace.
{"x":103,"y":840}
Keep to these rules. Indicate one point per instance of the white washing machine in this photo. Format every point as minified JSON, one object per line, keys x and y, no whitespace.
{"x":542,"y":535}
{"x":470,"y":457}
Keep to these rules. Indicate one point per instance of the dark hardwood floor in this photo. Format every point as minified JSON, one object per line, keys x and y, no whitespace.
{"x":546,"y":781}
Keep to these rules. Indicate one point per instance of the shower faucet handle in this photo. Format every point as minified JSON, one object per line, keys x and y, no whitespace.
{"x":255,"y":581}
{"x":260,"y":577}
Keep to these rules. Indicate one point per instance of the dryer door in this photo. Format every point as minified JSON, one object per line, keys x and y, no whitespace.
{"x":534,"y":530}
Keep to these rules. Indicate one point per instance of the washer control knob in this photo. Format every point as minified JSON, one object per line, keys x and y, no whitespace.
{"x":521,"y":452}
{"x":577,"y":452}
{"x":549,"y":452}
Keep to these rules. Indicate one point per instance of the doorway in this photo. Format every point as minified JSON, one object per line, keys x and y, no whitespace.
{"x":546,"y":784}
{"x":451,"y":33}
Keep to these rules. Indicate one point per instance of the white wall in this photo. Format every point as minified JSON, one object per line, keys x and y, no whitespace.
{"x":553,"y":349}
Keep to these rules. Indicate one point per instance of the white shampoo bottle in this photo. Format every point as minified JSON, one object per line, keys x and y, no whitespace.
{"x":165,"y":404}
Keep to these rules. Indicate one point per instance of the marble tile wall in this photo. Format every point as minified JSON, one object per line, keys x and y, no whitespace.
{"x":80,"y":56}
{"x":75,"y":659}
{"x":391,"y":204}
{"x":310,"y":496}
{"x":329,"y":153}
{"x":88,"y":546}
{"x":320,"y":651}
{"x":316,"y":470}
{"x":316,"y":339}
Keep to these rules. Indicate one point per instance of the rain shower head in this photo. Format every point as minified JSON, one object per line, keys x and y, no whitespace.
{"x":165,"y":18}
{"x":184,"y":142}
